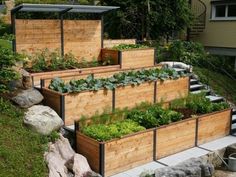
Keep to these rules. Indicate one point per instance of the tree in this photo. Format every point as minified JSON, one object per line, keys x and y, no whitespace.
{"x":147,"y":18}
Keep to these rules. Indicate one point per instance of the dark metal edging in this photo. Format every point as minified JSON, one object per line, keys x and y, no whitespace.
{"x":102,"y":31}
{"x":155,"y":92}
{"x":62,"y":106}
{"x":196,"y":132}
{"x":230,"y":128}
{"x":113,"y":99}
{"x":42,"y":83}
{"x":154,"y":144}
{"x":102,"y":159}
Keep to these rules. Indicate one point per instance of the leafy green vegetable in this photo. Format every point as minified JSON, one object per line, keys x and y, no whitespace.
{"x":102,"y":132}
{"x":153,"y":116}
{"x":117,"y":80}
{"x":129,"y":46}
{"x":199,"y":104}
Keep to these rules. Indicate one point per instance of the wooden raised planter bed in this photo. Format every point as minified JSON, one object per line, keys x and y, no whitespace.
{"x":111,"y":157}
{"x":214,"y":125}
{"x":72,"y":106}
{"x":36,"y":77}
{"x":115,"y":156}
{"x":131,"y":58}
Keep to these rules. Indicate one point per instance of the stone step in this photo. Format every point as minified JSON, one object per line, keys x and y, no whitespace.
{"x":193,"y":81}
{"x":196,"y":87}
{"x":215,"y":98}
{"x":207,"y":92}
{"x":70,"y":128}
{"x":234,"y":119}
{"x":179,"y":69}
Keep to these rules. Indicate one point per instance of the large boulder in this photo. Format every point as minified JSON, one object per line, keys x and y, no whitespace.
{"x":28,"y":98}
{"x":64,"y":162}
{"x":42,"y":119}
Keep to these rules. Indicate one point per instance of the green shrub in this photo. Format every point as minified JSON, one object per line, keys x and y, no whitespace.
{"x":102,"y":132}
{"x":7,"y":61}
{"x":129,"y":46}
{"x":117,"y":80}
{"x":191,"y":53}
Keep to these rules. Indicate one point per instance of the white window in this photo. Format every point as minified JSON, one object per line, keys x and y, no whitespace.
{"x":223,"y":12}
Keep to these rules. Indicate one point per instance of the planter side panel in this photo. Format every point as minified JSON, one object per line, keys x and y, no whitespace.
{"x":175,"y":138}
{"x":88,"y":148}
{"x":214,"y":126}
{"x":170,"y":90}
{"x":86,"y":103}
{"x":128,"y":152}
{"x":129,"y":96}
{"x":32,"y":35}
{"x":109,"y":53}
{"x":83,"y":38}
{"x":52,"y":100}
{"x":137,"y":58}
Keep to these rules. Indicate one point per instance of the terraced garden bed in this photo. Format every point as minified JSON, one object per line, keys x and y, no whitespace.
{"x":88,"y":96}
{"x":130,"y":56}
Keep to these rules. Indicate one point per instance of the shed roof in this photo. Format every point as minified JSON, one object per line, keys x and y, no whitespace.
{"x":62,"y":8}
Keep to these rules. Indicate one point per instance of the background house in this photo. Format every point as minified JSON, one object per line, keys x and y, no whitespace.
{"x":215,"y":26}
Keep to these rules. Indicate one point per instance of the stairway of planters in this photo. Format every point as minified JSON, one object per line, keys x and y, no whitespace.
{"x":127,"y":110}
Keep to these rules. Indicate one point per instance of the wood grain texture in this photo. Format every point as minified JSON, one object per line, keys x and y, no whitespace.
{"x":128,"y":152}
{"x":170,"y":90}
{"x":129,"y":96}
{"x":137,"y":58}
{"x":52,"y":99}
{"x":83,"y":38}
{"x":33,"y":35}
{"x":213,"y":126}
{"x":109,"y":43}
{"x":175,"y":137}
{"x":88,"y":148}
{"x":86,"y":103}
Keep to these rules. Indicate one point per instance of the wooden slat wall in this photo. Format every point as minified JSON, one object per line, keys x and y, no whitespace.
{"x":90,"y":149}
{"x":213,"y":126}
{"x":174,"y":138}
{"x":86,"y":103}
{"x":170,"y":90}
{"x":129,"y":96}
{"x":52,"y":99}
{"x":83,"y":38}
{"x":129,"y":152}
{"x":109,"y":43}
{"x":137,"y":58}
{"x":32,"y":35}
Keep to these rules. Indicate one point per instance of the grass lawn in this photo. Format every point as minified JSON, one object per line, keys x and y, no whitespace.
{"x":220,"y":83}
{"x":5,"y":43}
{"x":21,"y":150}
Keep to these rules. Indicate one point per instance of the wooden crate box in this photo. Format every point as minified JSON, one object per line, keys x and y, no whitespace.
{"x":131,"y":58}
{"x":214,"y":125}
{"x":170,"y":90}
{"x":176,"y":137}
{"x":112,"y":157}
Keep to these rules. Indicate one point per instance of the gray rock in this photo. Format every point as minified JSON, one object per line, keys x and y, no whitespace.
{"x":190,"y":168}
{"x":42,"y":119}
{"x":28,"y":98}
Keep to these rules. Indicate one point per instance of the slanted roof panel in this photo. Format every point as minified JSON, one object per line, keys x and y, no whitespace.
{"x":62,"y":7}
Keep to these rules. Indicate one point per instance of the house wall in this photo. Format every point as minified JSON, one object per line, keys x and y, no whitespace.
{"x":217,"y":33}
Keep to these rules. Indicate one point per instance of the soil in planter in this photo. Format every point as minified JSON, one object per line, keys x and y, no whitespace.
{"x":185,"y":111}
